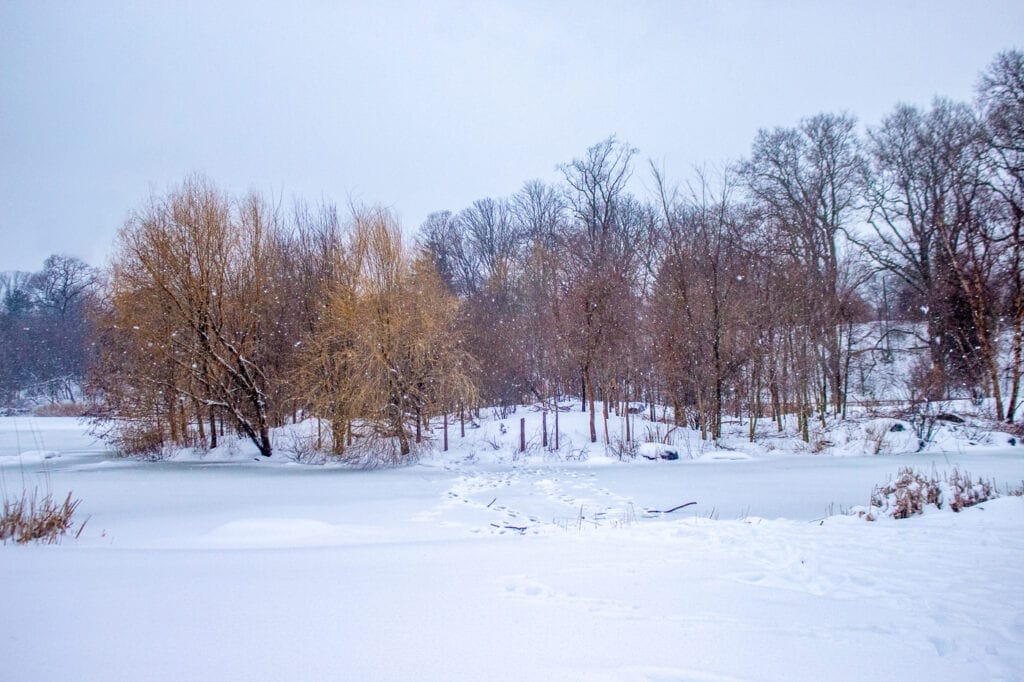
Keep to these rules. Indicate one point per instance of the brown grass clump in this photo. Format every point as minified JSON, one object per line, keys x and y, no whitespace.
{"x":31,"y":518}
{"x":964,"y":493}
{"x":912,"y":491}
{"x":908,"y":494}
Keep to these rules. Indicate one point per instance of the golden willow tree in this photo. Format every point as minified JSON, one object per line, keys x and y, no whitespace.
{"x":218,"y":315}
{"x":388,"y":354}
{"x":186,"y":327}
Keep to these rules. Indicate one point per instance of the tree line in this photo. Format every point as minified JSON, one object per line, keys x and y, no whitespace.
{"x":746,"y":290}
{"x":221,"y":314}
{"x":45,"y":331}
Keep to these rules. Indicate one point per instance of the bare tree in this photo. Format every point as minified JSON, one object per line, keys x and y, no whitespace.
{"x":808,"y":180}
{"x":602,"y":252}
{"x":704,"y":292}
{"x":540,"y":212}
{"x":919,"y":161}
{"x":1001,"y":97}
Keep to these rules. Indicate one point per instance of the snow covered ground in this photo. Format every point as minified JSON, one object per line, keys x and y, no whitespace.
{"x":482,"y":563}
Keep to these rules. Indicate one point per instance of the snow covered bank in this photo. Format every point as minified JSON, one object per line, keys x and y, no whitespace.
{"x":485,"y":564}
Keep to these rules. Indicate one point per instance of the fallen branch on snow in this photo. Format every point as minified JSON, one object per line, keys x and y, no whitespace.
{"x":669,"y":511}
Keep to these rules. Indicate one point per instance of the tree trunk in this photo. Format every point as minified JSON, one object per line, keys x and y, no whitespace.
{"x":1015,"y":369}
{"x":398,"y":428}
{"x":651,"y":397}
{"x":604,"y":415}
{"x":836,"y":369}
{"x":172,"y":421}
{"x":846,"y":368}
{"x":583,"y":386}
{"x":338,"y":436}
{"x":1018,"y":318}
{"x":213,"y":429}
{"x":200,"y":422}
{"x":590,"y":402}
{"x":716,"y":407}
{"x":264,"y":441}
{"x":556,"y":424}
{"x":702,"y":419}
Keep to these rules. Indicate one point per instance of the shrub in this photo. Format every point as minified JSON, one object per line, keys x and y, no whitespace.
{"x":142,"y":440}
{"x":874,"y":436}
{"x":964,"y":493}
{"x":303,"y":448}
{"x":912,"y":491}
{"x":922,"y":415}
{"x":907,"y":495}
{"x":820,"y":444}
{"x":374,"y":451}
{"x":624,"y":450}
{"x":659,"y":433}
{"x":30,"y":518}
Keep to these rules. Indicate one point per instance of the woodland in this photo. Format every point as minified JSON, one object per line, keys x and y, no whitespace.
{"x":764,"y":288}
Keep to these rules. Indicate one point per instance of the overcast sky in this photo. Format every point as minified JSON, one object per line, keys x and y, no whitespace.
{"x":424,"y":106}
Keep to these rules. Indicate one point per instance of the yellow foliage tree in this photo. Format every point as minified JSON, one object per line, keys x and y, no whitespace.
{"x":389,"y":352}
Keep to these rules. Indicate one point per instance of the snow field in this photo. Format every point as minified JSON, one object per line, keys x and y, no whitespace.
{"x":485,"y":564}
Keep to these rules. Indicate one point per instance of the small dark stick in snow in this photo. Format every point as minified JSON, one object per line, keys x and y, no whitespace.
{"x":669,"y":511}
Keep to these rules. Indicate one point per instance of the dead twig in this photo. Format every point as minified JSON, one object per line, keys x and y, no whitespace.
{"x":669,"y":511}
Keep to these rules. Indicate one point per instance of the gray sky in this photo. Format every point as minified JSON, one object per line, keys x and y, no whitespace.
{"x":426,"y":106}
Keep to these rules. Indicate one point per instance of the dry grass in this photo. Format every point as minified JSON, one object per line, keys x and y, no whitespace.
{"x":624,"y":450}
{"x":304,"y":448}
{"x":965,"y":493}
{"x":874,"y":436}
{"x":140,"y":440}
{"x":375,"y":451}
{"x":912,"y":491}
{"x":31,"y":518}
{"x":659,"y":433}
{"x":64,"y":410}
{"x":907,"y":495}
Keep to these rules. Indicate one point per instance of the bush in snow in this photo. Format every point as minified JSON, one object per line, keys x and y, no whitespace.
{"x":659,"y":432}
{"x":624,"y":450}
{"x":964,"y":493}
{"x":373,"y":451}
{"x":912,"y":491}
{"x":303,"y":448}
{"x":907,"y":495}
{"x":142,"y":440}
{"x":923,"y":409}
{"x":874,"y":436}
